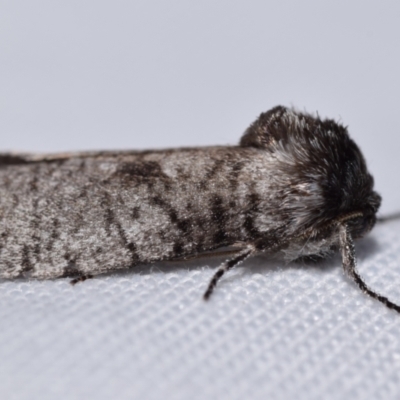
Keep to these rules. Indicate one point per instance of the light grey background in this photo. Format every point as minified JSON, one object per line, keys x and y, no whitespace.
{"x":145,"y":74}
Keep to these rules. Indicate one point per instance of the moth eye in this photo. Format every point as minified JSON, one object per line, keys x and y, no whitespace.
{"x":374,"y":202}
{"x":376,"y":205}
{"x":361,"y":225}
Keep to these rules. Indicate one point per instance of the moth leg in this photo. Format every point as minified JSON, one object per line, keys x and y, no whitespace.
{"x":349,"y":266}
{"x":80,"y":278}
{"x":213,"y":254}
{"x":207,"y":255}
{"x":226,"y":266}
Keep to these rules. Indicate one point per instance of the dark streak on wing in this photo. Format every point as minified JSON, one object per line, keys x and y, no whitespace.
{"x":218,"y":214}
{"x":111,"y":220}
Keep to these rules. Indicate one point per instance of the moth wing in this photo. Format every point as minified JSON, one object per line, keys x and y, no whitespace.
{"x":15,"y":158}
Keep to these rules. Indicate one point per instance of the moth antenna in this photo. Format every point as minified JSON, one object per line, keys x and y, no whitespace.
{"x":349,"y":267}
{"x":226,"y":266}
{"x":389,"y":217}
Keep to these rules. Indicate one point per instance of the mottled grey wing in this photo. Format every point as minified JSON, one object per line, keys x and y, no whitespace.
{"x":89,"y":213}
{"x":77,"y":214}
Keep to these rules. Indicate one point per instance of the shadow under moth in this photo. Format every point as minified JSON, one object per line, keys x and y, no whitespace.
{"x":296,"y":186}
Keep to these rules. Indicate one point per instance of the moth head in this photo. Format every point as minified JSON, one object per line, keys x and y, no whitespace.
{"x":323,"y":169}
{"x":359,"y":223}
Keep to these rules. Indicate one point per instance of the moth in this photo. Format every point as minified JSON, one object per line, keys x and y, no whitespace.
{"x":296,"y":186}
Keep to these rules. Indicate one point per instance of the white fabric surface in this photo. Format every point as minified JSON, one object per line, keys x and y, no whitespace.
{"x":269,"y":331}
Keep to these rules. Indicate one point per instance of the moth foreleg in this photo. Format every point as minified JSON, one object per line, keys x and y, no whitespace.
{"x":226,"y":266}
